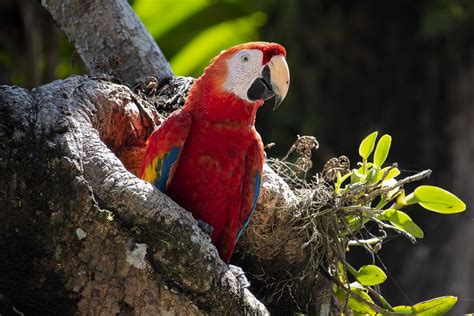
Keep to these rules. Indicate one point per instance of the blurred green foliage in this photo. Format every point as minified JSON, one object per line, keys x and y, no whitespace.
{"x":191,"y":32}
{"x":441,"y":16}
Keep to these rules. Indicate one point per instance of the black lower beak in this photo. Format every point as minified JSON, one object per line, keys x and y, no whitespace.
{"x":261,"y":88}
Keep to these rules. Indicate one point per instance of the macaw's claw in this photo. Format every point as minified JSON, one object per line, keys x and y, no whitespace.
{"x":240,"y":276}
{"x":208,"y":229}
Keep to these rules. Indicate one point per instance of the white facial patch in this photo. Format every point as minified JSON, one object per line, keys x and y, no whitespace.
{"x":244,"y":67}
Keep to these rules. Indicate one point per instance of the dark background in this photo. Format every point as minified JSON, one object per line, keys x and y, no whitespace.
{"x":400,"y":67}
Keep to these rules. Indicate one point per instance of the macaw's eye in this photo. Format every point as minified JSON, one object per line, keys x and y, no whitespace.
{"x":245,"y":58}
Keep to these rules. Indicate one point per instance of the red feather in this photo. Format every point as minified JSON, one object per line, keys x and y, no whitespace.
{"x":220,"y":165}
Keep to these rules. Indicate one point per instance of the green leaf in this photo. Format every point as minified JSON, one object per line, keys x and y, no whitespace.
{"x":401,"y":200}
{"x":360,"y":306}
{"x":371,"y":174}
{"x":370,"y":275}
{"x":356,"y":285}
{"x":356,"y":176}
{"x":340,"y":180}
{"x":381,"y":152}
{"x":403,"y":309}
{"x":437,"y":306}
{"x":402,"y":221}
{"x":367,"y":145}
{"x":394,"y":172}
{"x":356,"y":222}
{"x":354,"y":304}
{"x":341,"y":272}
{"x":436,"y":199}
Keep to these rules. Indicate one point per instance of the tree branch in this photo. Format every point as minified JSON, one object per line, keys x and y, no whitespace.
{"x":110,"y":39}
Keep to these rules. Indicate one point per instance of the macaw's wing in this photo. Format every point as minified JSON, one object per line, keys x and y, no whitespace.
{"x":163,"y":150}
{"x":251,"y":186}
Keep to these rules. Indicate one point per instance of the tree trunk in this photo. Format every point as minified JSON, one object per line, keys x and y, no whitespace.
{"x":110,"y":39}
{"x":82,"y":234}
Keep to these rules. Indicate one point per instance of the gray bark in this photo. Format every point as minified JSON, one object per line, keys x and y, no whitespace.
{"x":110,"y":38}
{"x":81,"y":233}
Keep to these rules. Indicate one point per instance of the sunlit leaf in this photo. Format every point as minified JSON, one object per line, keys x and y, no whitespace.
{"x":356,"y":285}
{"x":403,"y":309}
{"x":341,"y":272}
{"x":402,"y":221}
{"x":356,"y":176}
{"x":394,"y":172}
{"x":367,"y":145}
{"x":340,"y":180}
{"x":401,"y":200}
{"x":436,"y":199}
{"x":355,"y":222}
{"x":370,"y":275}
{"x":382,"y":149}
{"x":371,"y":174}
{"x":433,"y":307}
{"x":436,"y":306}
{"x":356,"y":305}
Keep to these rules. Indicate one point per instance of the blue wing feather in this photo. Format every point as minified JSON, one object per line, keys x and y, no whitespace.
{"x":168,"y":162}
{"x":163,"y":150}
{"x":255,"y":198}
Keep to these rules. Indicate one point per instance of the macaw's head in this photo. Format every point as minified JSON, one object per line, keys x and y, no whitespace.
{"x":253,"y":72}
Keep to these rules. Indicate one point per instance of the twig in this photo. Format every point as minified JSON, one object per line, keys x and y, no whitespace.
{"x":398,"y":230}
{"x":358,"y":208}
{"x":368,"y":188}
{"x":380,"y":298}
{"x":363,"y":242}
{"x":384,"y":176}
{"x":373,"y":194}
{"x":382,"y":190}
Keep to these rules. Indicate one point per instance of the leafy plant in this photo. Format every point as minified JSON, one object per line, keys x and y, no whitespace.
{"x":374,"y":193}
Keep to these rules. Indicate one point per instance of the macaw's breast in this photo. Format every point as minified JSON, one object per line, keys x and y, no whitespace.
{"x":209,"y":177}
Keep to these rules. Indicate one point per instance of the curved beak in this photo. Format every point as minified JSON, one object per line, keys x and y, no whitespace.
{"x":279,"y":78}
{"x":274,"y":82}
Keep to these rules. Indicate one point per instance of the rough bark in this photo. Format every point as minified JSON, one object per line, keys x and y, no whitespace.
{"x":81,"y":233}
{"x":110,"y":38}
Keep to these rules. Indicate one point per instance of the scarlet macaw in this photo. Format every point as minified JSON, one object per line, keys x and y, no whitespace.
{"x":207,"y":156}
